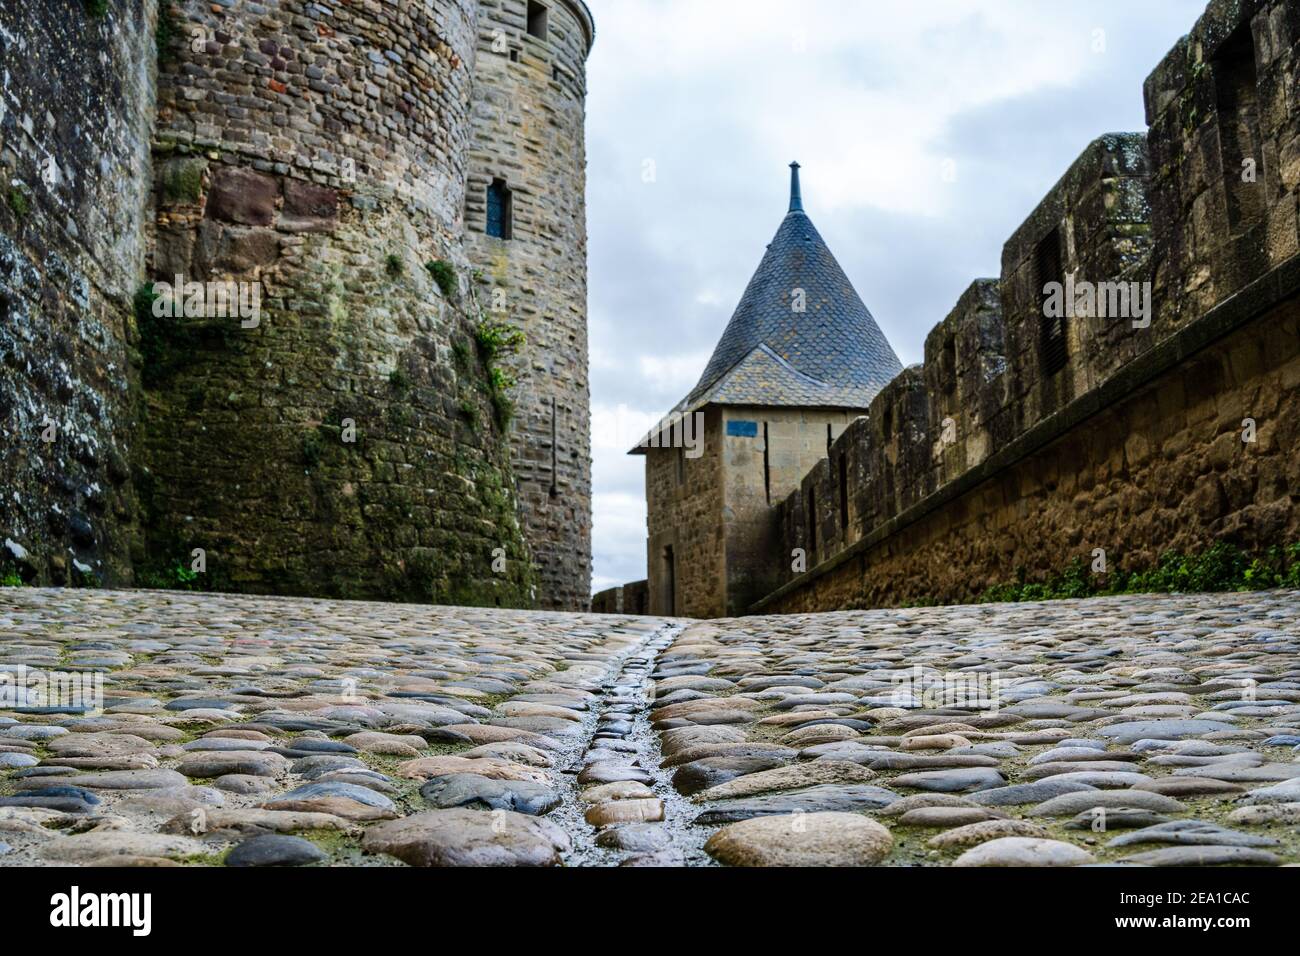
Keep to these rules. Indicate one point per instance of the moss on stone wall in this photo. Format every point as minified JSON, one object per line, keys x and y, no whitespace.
{"x":1221,"y":567}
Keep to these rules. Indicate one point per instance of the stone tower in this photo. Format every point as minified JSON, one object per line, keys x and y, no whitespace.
{"x":345,"y":444}
{"x":525,"y":224}
{"x":800,"y":359}
{"x":331,"y":163}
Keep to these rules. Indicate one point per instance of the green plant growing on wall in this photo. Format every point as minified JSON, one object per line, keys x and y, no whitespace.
{"x":399,"y":381}
{"x":170,"y":577}
{"x":1221,"y":567}
{"x":393,"y":265}
{"x":165,"y":343}
{"x":150,"y":331}
{"x":460,"y":353}
{"x":165,"y":34}
{"x":444,"y":276}
{"x":469,"y":412}
{"x":10,"y":579}
{"x":18,"y":202}
{"x":96,"y":8}
{"x":503,"y":407}
{"x":313,"y":448}
{"x":495,"y":340}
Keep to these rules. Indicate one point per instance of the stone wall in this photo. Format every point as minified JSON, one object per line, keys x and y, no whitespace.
{"x":630,"y":598}
{"x":765,"y":452}
{"x":1026,"y":440}
{"x":350,"y":435}
{"x":1163,"y":466}
{"x":1225,"y":153}
{"x":74,"y":153}
{"x":528,"y":132}
{"x":686,"y":522}
{"x":345,"y":443}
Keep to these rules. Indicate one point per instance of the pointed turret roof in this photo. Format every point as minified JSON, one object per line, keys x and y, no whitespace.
{"x":833,"y":340}
{"x":830,"y":353}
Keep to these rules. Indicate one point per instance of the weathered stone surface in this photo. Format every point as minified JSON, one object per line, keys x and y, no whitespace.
{"x":1205,"y":856}
{"x":471,"y":790}
{"x":86,"y":847}
{"x":251,"y":821}
{"x":274,"y":851}
{"x":219,"y":763}
{"x":1024,"y":851}
{"x":613,"y":812}
{"x":308,"y":207}
{"x":973,"y":834}
{"x":787,"y":778}
{"x":814,"y":839}
{"x":278,"y":691}
{"x":243,"y":196}
{"x":712,"y":772}
{"x":1071,"y":803}
{"x":468,"y":838}
{"x":426,"y":768}
{"x":819,"y":799}
{"x":946,"y":816}
{"x":951,"y":781}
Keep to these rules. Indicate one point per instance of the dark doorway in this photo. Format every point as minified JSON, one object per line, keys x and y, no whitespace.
{"x":670,"y":582}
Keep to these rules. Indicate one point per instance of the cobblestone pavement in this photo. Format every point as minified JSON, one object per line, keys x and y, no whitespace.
{"x":265,"y":731}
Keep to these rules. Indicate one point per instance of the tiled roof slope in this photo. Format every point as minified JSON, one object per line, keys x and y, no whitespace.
{"x":835,"y":341}
{"x":830,"y":355}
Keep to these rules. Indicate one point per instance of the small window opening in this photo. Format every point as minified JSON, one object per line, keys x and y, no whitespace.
{"x":1236,"y":87}
{"x":948,"y":367}
{"x":844,"y":493}
{"x":670,"y":581}
{"x":767,"y":465}
{"x":830,"y":439}
{"x":1053,"y":344}
{"x":538,"y":17}
{"x":514,"y":56}
{"x":555,"y":450}
{"x":500,"y":210}
{"x":812,"y":520}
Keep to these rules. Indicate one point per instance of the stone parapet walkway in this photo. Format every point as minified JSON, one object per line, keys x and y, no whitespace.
{"x":162,"y":728}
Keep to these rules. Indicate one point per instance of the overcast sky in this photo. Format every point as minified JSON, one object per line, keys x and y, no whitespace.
{"x":927,"y":133}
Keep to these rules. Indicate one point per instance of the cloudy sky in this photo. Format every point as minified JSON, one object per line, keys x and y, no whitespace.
{"x":927,"y":133}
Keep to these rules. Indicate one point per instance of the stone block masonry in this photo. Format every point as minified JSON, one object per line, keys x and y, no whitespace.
{"x":528,"y":144}
{"x":342,"y":447}
{"x":349,"y":441}
{"x":75,"y":109}
{"x":1024,"y":443}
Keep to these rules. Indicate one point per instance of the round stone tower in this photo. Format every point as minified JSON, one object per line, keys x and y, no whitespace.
{"x":526,"y":230}
{"x":342,"y":441}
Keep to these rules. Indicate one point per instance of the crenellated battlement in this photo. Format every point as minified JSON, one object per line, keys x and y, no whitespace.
{"x":1026,"y":440}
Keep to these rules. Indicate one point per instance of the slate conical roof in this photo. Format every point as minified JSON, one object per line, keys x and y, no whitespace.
{"x":831,"y":353}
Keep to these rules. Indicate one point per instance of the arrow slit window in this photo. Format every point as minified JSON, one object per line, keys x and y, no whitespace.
{"x":500,"y":210}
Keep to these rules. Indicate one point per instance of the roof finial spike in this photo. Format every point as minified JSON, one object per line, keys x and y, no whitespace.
{"x":796,"y":196}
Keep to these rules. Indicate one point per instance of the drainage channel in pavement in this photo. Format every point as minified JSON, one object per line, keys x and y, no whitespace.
{"x":619,"y":807}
